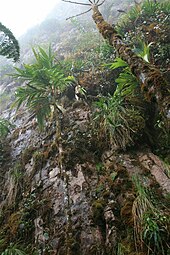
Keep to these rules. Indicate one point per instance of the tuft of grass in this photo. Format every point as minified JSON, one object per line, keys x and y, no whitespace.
{"x":13,"y":249}
{"x":150,"y":223}
{"x":119,"y":117}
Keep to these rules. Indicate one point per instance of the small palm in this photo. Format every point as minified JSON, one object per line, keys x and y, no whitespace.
{"x":45,"y":81}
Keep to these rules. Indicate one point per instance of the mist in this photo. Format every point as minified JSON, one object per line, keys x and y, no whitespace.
{"x":21,"y":15}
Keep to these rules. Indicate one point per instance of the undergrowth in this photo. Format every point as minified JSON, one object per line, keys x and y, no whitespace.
{"x":151,"y":223}
{"x":121,"y":115}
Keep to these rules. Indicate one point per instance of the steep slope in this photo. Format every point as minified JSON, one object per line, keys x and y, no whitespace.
{"x":80,"y":194}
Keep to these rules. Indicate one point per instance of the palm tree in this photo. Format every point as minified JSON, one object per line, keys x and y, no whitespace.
{"x":9,"y":46}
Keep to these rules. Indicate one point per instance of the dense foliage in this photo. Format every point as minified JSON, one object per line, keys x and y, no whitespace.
{"x":9,"y":46}
{"x":149,"y":21}
{"x":119,"y":114}
{"x":45,"y":81}
{"x":106,"y":134}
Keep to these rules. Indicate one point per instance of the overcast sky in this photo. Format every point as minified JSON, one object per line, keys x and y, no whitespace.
{"x":20,"y":15}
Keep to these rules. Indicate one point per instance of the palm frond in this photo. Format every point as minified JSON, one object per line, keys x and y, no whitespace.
{"x":45,"y":81}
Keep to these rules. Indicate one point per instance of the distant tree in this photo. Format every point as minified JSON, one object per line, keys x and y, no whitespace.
{"x":9,"y":46}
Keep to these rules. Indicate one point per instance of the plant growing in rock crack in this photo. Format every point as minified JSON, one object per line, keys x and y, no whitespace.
{"x":150,"y":223}
{"x":45,"y":82}
{"x":122,"y":113}
{"x":5,"y":126}
{"x":119,"y":117}
{"x":14,"y":184}
{"x":13,"y":249}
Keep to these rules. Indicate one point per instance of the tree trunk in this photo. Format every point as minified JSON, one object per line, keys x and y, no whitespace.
{"x":153,"y":85}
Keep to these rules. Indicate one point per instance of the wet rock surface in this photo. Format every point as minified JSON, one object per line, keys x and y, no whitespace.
{"x":73,"y":200}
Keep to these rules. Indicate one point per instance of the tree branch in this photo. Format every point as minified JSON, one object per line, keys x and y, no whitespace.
{"x":92,"y":4}
{"x":153,"y":85}
{"x":97,"y":1}
{"x":100,"y":3}
{"x":79,"y":14}
{"x":72,"y":2}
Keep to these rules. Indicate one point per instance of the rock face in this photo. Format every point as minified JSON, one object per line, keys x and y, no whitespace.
{"x":76,"y":195}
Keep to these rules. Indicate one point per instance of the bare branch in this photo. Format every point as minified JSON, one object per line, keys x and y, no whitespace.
{"x":79,"y":14}
{"x":101,"y":3}
{"x":122,"y":11}
{"x":92,"y":4}
{"x":72,"y":2}
{"x":97,"y":2}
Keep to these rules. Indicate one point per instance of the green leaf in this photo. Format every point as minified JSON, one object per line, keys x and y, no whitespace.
{"x":45,"y":81}
{"x":5,"y":126}
{"x":118,"y":63}
{"x":113,"y":175}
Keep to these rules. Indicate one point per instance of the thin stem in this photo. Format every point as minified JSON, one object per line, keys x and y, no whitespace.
{"x":80,"y":14}
{"x":72,"y":2}
{"x":100,"y":3}
{"x":97,"y":2}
